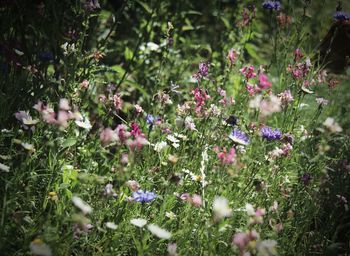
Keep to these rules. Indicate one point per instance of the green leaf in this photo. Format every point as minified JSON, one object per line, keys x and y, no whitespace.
{"x":69,"y":142}
{"x":145,"y":6}
{"x":252,"y":51}
{"x":128,"y":53}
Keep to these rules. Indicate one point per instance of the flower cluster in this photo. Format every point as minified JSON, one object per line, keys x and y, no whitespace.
{"x":270,"y":134}
{"x":271,"y":5}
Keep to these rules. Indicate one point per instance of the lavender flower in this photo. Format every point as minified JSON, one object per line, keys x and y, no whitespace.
{"x":269,"y":134}
{"x":143,"y":196}
{"x":203,"y":69}
{"x":239,"y":137}
{"x":149,"y":119}
{"x":271,"y":5}
{"x":340,"y":16}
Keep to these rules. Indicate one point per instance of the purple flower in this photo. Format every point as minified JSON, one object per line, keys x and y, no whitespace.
{"x":269,"y":134}
{"x":203,"y":69}
{"x":239,"y":137}
{"x":271,"y":5}
{"x":340,"y":16}
{"x":306,"y":178}
{"x":143,"y":196}
{"x":149,"y":119}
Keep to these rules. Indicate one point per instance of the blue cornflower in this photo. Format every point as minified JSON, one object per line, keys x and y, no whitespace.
{"x":269,"y":134}
{"x":150,"y":119}
{"x":143,"y":196}
{"x":45,"y":56}
{"x":340,"y":16}
{"x":239,"y":137}
{"x":271,"y":5}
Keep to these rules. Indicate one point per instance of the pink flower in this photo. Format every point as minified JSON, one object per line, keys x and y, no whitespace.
{"x":200,"y":97}
{"x":107,"y":136}
{"x":197,"y":200}
{"x":231,"y":56}
{"x":286,"y":98}
{"x":264,"y":82}
{"x":117,"y":101}
{"x":224,"y":156}
{"x":297,"y":55}
{"x":248,"y":72}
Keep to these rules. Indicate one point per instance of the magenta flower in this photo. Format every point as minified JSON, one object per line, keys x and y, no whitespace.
{"x":248,"y":72}
{"x":264,"y":82}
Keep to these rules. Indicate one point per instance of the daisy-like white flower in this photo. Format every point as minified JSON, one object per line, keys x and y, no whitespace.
{"x":332,"y":125}
{"x":138,"y":222}
{"x":4,"y":167}
{"x":159,"y":232}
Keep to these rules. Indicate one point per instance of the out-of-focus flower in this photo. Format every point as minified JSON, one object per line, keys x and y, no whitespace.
{"x":84,"y":207}
{"x":267,"y":247}
{"x":117,"y":101}
{"x":189,"y":123}
{"x":269,"y":134}
{"x":224,"y":156}
{"x":144,"y":196}
{"x":138,"y":108}
{"x":38,"y":247}
{"x":138,"y":222}
{"x":285,"y":97}
{"x":255,"y":215}
{"x":221,"y":208}
{"x":133,"y":185}
{"x":243,"y":239}
{"x":341,"y":16}
{"x":107,"y":136}
{"x":160,"y":146}
{"x":109,"y":191}
{"x":111,"y":225}
{"x":284,"y":20}
{"x":270,"y":105}
{"x":203,"y":69}
{"x":150,"y":119}
{"x":332,"y":125}
{"x":159,"y":232}
{"x":4,"y":168}
{"x":264,"y":82}
{"x":25,"y":119}
{"x":171,"y":249}
{"x":239,"y":137}
{"x":232,"y":56}
{"x":248,"y":72}
{"x":81,"y":228}
{"x":322,"y":101}
{"x":271,"y":5}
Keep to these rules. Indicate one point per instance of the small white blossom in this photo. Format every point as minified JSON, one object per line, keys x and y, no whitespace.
{"x":159,"y":232}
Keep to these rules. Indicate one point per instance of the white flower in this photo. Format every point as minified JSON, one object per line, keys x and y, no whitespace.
{"x":111,"y":225}
{"x":331,"y":125}
{"x":250,"y":209}
{"x":4,"y":168}
{"x":38,"y":247}
{"x":267,"y":248}
{"x":28,"y":146}
{"x":84,"y":122}
{"x":159,"y":232}
{"x":159,"y":146}
{"x":221,"y":208}
{"x":138,"y":222}
{"x":84,"y":207}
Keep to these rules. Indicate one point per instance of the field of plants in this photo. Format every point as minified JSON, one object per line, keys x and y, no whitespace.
{"x":134,"y":127}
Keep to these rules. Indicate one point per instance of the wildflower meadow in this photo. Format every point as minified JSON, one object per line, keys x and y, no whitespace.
{"x":134,"y":127}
